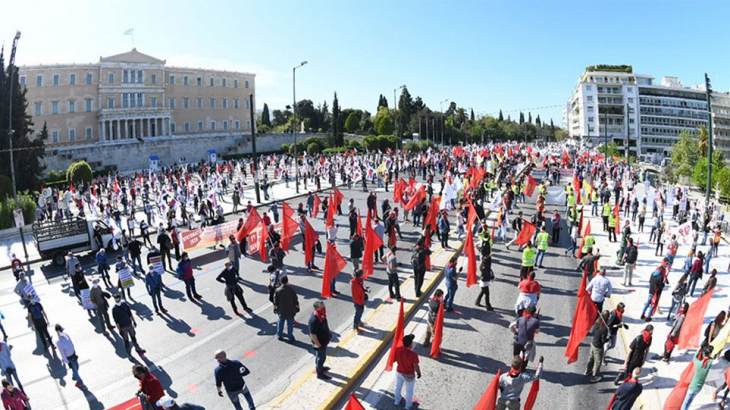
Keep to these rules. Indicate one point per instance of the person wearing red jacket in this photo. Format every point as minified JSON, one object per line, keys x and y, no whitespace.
{"x":359,"y":296}
{"x":150,"y":389}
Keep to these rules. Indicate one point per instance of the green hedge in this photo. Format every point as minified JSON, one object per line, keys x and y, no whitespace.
{"x":417,"y":146}
{"x":78,"y":172}
{"x":25,"y":202}
{"x":336,"y":150}
{"x":380,"y":142}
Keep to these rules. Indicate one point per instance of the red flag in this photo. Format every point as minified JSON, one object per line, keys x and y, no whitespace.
{"x":433,"y":211}
{"x":617,"y":225}
{"x":372,"y":244}
{"x":427,"y":245}
{"x":330,"y":220}
{"x":116,"y":185}
{"x":471,"y":264}
{"x":526,"y":233}
{"x":397,"y":339}
{"x":576,"y":188}
{"x":310,"y":238}
{"x":338,"y":196}
{"x":263,"y":238}
{"x":400,"y":185}
{"x":530,"y":186}
{"x":251,"y":222}
{"x":286,"y":210}
{"x":610,"y":402}
{"x":438,"y":332}
{"x":417,"y":198}
{"x":358,"y":226}
{"x":689,"y":335}
{"x":676,"y":397}
{"x":71,"y":187}
{"x":488,"y":401}
{"x":315,"y":206}
{"x":354,"y":404}
{"x":583,"y":319}
{"x":288,"y":229}
{"x":334,"y":263}
{"x":586,"y":229}
{"x":532,"y":395}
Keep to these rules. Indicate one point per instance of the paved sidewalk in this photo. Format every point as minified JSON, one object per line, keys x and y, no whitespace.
{"x":660,"y":377}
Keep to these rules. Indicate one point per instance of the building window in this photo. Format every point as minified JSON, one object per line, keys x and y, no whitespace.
{"x":247,"y":104}
{"x":629,"y":89}
{"x":212,"y":81}
{"x":212,"y":125}
{"x":172,"y":79}
{"x":223,"y":82}
{"x":225,"y":125}
{"x":172,"y":103}
{"x":245,"y":84}
{"x":88,"y":104}
{"x":589,"y":98}
{"x":71,"y":106}
{"x":72,"y":135}
{"x":212,"y":103}
{"x":199,"y":80}
{"x":88,"y":78}
{"x":140,"y":100}
{"x":110,"y":78}
{"x":56,"y":80}
{"x":630,"y":99}
{"x":248,"y":124}
{"x":125,"y":100}
{"x":186,"y":102}
{"x":153,"y":101}
{"x":185,"y":80}
{"x":172,"y":127}
{"x":54,"y":107}
{"x":22,"y":80}
{"x":235,"y":83}
{"x":200,"y":125}
{"x":125,"y":76}
{"x":225,"y":103}
{"x":39,"y":81}
{"x":153,"y":78}
{"x":200,"y":103}
{"x":88,"y":133}
{"x":140,"y":77}
{"x":110,"y":102}
{"x":54,"y":136}
{"x":38,"y":108}
{"x":238,"y":124}
{"x":72,"y":79}
{"x":235,"y":103}
{"x":590,"y":119}
{"x":187,"y":127}
{"x":588,"y":87}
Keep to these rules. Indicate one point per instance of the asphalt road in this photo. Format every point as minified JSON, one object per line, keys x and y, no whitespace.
{"x":476,"y":342}
{"x":180,"y":344}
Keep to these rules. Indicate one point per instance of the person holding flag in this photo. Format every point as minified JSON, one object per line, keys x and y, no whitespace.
{"x":407,"y":372}
{"x":627,"y":393}
{"x":513,"y":382}
{"x":638,"y":351}
{"x":433,"y":308}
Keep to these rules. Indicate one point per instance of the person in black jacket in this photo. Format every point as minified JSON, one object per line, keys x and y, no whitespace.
{"x":230,"y":375}
{"x":165,"y":244}
{"x":630,"y":256}
{"x":352,"y":219}
{"x":600,"y":336}
{"x":356,"y":248}
{"x":638,"y":349}
{"x":628,"y":392}
{"x":233,"y":290}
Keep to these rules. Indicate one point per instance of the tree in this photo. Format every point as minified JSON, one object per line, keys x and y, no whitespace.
{"x":699,"y":172}
{"x":537,"y":121}
{"x":384,"y":124}
{"x":78,"y":172}
{"x":405,"y":110}
{"x":28,"y":150}
{"x":684,"y":155}
{"x":522,"y":118}
{"x":324,"y":117}
{"x":265,"y":119}
{"x":471,"y":115}
{"x":529,"y":117}
{"x":723,"y":181}
{"x":382,"y":102}
{"x":352,"y":123}
{"x":501,"y":117}
{"x":281,"y":117}
{"x":610,"y":150}
{"x":337,"y":138}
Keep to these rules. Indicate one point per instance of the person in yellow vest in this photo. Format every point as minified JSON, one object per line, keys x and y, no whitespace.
{"x":605,"y":212}
{"x":611,"y":227}
{"x":541,"y":190}
{"x":568,"y":191}
{"x":542,"y":241}
{"x":594,"y":202}
{"x":588,"y":243}
{"x":529,"y":254}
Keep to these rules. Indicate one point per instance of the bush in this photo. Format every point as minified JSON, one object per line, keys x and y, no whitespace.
{"x":417,"y":146}
{"x":314,"y":147}
{"x":79,"y":171}
{"x":25,"y":202}
{"x":723,"y":180}
{"x":380,"y":142}
{"x":6,"y":187}
{"x":353,"y":144}
{"x":335,"y":150}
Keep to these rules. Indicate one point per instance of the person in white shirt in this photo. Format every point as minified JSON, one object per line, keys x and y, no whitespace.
{"x":600,"y":288}
{"x":68,"y":354}
{"x":332,"y":233}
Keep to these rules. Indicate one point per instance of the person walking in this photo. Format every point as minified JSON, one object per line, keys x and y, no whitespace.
{"x":233,"y":251}
{"x":185,"y":272}
{"x":356,"y":249}
{"x":40,"y":322}
{"x":135,"y":255}
{"x":628,"y":392}
{"x":444,"y":226}
{"x":78,"y":281}
{"x":320,"y":335}
{"x":68,"y":354}
{"x":7,"y":365}
{"x":695,"y":272}
{"x":524,"y":329}
{"x":391,"y":268}
{"x":600,"y":337}
{"x":418,"y":262}
{"x":600,"y":288}
{"x":359,"y":297}
{"x":150,"y":389}
{"x":452,"y":276}
{"x":657,"y":281}
{"x":433,"y":308}
{"x":99,"y":298}
{"x":407,"y":371}
{"x":542,"y":241}
{"x":513,"y":382}
{"x":229,"y":374}
{"x":615,"y":322}
{"x":673,"y":336}
{"x":702,"y":364}
{"x":164,"y":243}
{"x":286,"y":306}
{"x":486,"y":276}
{"x":638,"y":350}
{"x":12,"y":398}
{"x":122,"y":314}
{"x":153,"y":284}
{"x":529,"y":255}
{"x":119,"y":267}
{"x":233,"y":290}
{"x":631,"y":254}
{"x":102,"y":267}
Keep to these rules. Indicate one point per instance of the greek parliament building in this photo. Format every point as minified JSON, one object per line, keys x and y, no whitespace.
{"x":133,"y":104}
{"x":612,"y":103}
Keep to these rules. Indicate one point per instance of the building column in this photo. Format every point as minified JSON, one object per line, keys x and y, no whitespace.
{"x":167,"y":127}
{"x":101,"y":131}
{"x":118,"y":133}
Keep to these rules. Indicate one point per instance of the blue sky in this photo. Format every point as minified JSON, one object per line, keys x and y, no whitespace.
{"x":484,"y":55}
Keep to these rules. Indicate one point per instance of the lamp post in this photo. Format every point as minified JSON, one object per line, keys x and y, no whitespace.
{"x":441,"y":111}
{"x":708,"y":91}
{"x":396,"y":113}
{"x":294,"y":110}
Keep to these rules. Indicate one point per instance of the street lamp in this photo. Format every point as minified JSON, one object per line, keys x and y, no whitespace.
{"x":294,"y":110}
{"x":395,"y":111}
{"x":441,"y":111}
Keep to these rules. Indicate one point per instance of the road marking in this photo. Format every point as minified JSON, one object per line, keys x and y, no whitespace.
{"x":249,"y":354}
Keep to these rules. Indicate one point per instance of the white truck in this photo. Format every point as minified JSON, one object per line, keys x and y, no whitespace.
{"x":55,"y":239}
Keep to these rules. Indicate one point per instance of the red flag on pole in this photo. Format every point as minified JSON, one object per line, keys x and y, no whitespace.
{"x":532,"y":395}
{"x":372,"y":244}
{"x":586,"y":229}
{"x":526,"y":233}
{"x":286,"y":210}
{"x":358,"y":226}
{"x":330,"y":220}
{"x":116,"y":185}
{"x":583,"y":319}
{"x":676,"y":397}
{"x":339,"y":196}
{"x":334,"y":263}
{"x":471,"y":263}
{"x":263,"y":238}
{"x":251,"y":222}
{"x":417,"y":198}
{"x":288,"y":229}
{"x":71,"y":187}
{"x":689,"y":335}
{"x":315,"y":206}
{"x":488,"y":401}
{"x":530,"y":186}
{"x":433,"y":211}
{"x":310,"y":238}
{"x":397,"y":338}
{"x":438,"y":332}
{"x":354,"y":404}
{"x":576,"y":188}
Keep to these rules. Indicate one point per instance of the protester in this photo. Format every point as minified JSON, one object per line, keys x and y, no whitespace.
{"x":68,"y":354}
{"x":286,"y":306}
{"x":513,"y":382}
{"x":319,"y":333}
{"x":230,"y":375}
{"x":407,"y":372}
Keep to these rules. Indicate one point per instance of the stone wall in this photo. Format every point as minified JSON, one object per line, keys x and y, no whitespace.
{"x":133,"y":155}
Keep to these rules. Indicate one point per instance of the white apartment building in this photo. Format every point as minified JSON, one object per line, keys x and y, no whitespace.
{"x":721,"y":122}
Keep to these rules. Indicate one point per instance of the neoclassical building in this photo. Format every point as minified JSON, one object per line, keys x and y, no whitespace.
{"x":132,"y":96}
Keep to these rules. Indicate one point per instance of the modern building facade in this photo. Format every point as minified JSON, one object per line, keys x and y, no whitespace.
{"x":132,"y":97}
{"x":721,"y":122}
